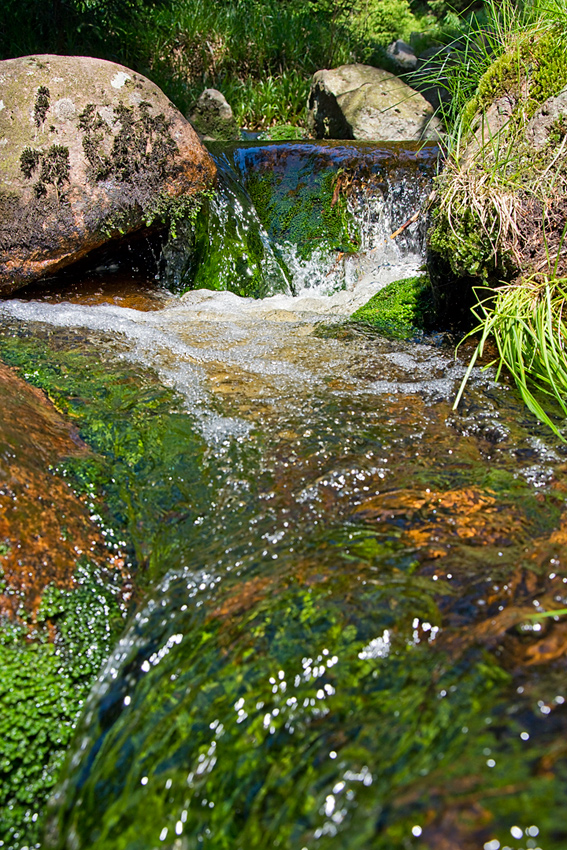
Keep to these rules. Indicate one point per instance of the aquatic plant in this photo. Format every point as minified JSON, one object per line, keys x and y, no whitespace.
{"x":42,"y":689}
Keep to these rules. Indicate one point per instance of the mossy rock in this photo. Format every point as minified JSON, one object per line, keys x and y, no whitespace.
{"x":88,"y":150}
{"x":491,"y":203}
{"x":400,"y":310}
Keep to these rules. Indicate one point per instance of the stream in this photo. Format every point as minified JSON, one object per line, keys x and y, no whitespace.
{"x":336,"y":644}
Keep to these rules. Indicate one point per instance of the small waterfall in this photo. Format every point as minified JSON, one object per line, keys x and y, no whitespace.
{"x":304,"y":218}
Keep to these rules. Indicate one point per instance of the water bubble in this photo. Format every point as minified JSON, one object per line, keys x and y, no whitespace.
{"x":516,"y":832}
{"x":416,"y":830}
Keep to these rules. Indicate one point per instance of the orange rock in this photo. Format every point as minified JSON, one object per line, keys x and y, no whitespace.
{"x":44,"y":526}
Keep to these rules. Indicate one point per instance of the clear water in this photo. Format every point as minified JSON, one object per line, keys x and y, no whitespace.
{"x":341,"y":651}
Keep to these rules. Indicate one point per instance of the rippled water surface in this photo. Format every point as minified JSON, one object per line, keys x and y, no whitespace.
{"x":343,"y":646}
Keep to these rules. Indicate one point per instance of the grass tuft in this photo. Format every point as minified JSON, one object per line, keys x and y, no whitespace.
{"x":527,"y":322}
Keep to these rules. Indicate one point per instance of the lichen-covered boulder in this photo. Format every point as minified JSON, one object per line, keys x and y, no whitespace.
{"x":212,"y":117}
{"x":362,"y":102}
{"x":90,"y":151}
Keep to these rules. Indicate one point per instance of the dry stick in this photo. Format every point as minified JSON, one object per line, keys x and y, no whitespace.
{"x":397,"y":232}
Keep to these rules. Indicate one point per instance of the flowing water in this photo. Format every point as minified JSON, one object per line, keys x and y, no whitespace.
{"x":338,"y":646}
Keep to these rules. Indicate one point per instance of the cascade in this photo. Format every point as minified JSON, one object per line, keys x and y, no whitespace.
{"x":334,"y":645}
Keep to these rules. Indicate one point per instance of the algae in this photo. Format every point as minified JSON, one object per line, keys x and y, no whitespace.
{"x":148,"y":470}
{"x":42,"y":690}
{"x":309,"y":211}
{"x":400,"y":310}
{"x":148,"y":462}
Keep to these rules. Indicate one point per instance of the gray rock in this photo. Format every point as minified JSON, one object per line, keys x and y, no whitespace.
{"x":402,"y":55}
{"x":212,"y":117}
{"x":538,"y":129}
{"x":89,"y":151}
{"x":363,"y":102}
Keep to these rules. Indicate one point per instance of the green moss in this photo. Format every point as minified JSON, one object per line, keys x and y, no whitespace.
{"x":221,"y":245}
{"x":463,"y":243}
{"x":305,"y":207}
{"x":533,"y":69}
{"x":42,"y":689}
{"x":399,"y":310}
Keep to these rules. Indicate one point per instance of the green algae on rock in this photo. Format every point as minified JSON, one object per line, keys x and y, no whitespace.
{"x":400,"y":310}
{"x":144,"y":464}
{"x":42,"y":690}
{"x":60,"y":605}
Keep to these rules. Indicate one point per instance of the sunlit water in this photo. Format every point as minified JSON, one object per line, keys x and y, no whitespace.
{"x":341,"y":652}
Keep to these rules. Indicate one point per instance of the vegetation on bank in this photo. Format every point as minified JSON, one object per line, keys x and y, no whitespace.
{"x":259,"y":53}
{"x":500,"y":220}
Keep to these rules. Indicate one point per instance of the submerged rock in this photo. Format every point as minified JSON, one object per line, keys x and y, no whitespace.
{"x":212,"y":117}
{"x":362,"y":102}
{"x":90,"y":151}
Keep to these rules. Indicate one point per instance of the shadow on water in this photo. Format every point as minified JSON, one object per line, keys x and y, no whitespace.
{"x":341,"y":649}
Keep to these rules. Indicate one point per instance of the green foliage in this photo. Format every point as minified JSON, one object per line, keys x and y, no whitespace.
{"x":42,"y":689}
{"x":526,"y":321}
{"x":491,"y":180}
{"x":268,"y":101}
{"x":282,"y":133}
{"x":383,"y":21}
{"x":400,"y":310}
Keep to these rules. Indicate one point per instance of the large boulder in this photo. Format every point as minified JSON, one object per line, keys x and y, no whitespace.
{"x":362,"y":102}
{"x":90,"y":151}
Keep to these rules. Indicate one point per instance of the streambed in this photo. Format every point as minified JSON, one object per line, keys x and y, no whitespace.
{"x":336,"y":645}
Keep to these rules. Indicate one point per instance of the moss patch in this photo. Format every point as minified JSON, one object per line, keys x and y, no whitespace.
{"x":399,"y":310}
{"x":306,"y":207}
{"x":42,"y":689}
